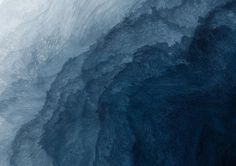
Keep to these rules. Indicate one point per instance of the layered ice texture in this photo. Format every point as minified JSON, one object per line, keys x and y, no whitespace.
{"x":36,"y":38}
{"x":118,"y":83}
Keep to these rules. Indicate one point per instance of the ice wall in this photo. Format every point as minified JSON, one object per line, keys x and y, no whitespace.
{"x":151,"y":91}
{"x":36,"y":38}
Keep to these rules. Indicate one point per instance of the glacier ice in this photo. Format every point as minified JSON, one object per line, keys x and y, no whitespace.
{"x":36,"y":38}
{"x":125,"y":101}
{"x":117,"y":82}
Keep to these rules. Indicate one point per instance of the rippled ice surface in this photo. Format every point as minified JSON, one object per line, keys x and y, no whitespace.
{"x":117,"y":82}
{"x":36,"y":38}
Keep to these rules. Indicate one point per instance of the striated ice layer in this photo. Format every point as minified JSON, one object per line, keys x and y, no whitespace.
{"x":36,"y":38}
{"x":156,"y":89}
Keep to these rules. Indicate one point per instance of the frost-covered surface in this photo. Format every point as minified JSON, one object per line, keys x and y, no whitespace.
{"x":36,"y":38}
